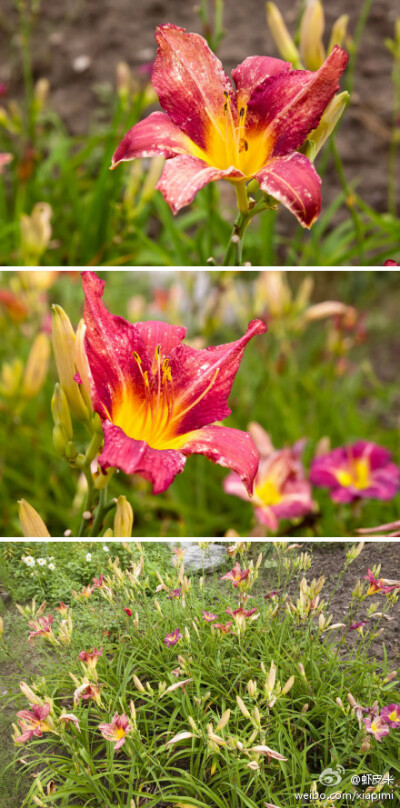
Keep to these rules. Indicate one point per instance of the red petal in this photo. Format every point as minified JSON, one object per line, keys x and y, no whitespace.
{"x":255,"y":70}
{"x":156,"y":332}
{"x":184,"y":176}
{"x":155,"y":135}
{"x":228,"y":447}
{"x":294,"y":181}
{"x":193,"y":371}
{"x":190,"y":82}
{"x":159,"y":466}
{"x":109,"y":344}
{"x":289,"y":107}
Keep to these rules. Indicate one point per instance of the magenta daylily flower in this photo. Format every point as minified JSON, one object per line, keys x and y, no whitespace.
{"x":208,"y":616}
{"x":376,"y":727}
{"x":33,"y":722}
{"x":210,"y":130}
{"x":391,"y":715}
{"x":280,"y":488}
{"x":159,"y":399}
{"x":173,"y":638}
{"x":42,"y":627}
{"x":383,"y":585}
{"x":117,"y":730}
{"x":174,"y":594}
{"x":90,"y":658}
{"x":362,"y":470}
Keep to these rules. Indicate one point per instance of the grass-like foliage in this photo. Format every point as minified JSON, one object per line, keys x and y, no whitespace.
{"x":209,"y":708}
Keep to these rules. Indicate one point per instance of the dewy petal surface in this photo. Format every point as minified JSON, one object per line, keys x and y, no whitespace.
{"x":294,"y":181}
{"x":289,"y":107}
{"x":254,"y":71}
{"x":230,"y":448}
{"x":190,"y":82}
{"x":215,"y":368}
{"x":159,"y":466}
{"x":184,"y":176}
{"x":156,"y":134}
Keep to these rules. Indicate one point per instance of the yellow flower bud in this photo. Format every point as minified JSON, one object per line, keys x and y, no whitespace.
{"x":281,"y":36}
{"x":332,"y":114}
{"x":64,"y":351}
{"x":1,"y":627}
{"x":60,"y":439}
{"x":123,"y":520}
{"x":31,"y":523}
{"x":36,"y":366}
{"x":312,"y":25}
{"x":242,"y":707}
{"x":11,"y":377}
{"x":41,"y":93}
{"x":35,"y":233}
{"x":60,"y":411}
{"x":339,"y":31}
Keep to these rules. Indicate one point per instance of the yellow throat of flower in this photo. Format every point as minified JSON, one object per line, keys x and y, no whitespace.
{"x":230,"y":144}
{"x":357,"y":475}
{"x":268,"y":492}
{"x":155,"y":417}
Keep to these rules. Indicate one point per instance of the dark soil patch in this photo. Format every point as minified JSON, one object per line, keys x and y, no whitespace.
{"x":108,"y":31}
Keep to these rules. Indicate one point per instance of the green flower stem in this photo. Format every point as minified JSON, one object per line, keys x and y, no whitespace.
{"x":234,"y":250}
{"x":90,"y":499}
{"x":102,"y":509}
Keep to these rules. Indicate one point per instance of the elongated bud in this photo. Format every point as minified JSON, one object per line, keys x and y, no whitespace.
{"x":281,"y":36}
{"x":304,"y":708}
{"x":64,"y":352}
{"x":242,"y":707}
{"x":60,"y":439}
{"x":36,"y":366}
{"x":123,"y":80}
{"x":158,"y":607}
{"x":223,"y":720}
{"x":333,"y":112}
{"x":60,"y":411}
{"x":123,"y":520}
{"x":35,"y":233}
{"x":252,"y":688}
{"x":11,"y":376}
{"x":41,"y":93}
{"x":31,"y":523}
{"x":81,"y":361}
{"x":288,"y":685}
{"x":312,"y":26}
{"x":1,"y":627}
{"x":339,"y":31}
{"x":138,"y":684}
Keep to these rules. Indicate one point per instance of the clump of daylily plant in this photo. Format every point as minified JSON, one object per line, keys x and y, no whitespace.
{"x":179,"y":699}
{"x":249,"y":132}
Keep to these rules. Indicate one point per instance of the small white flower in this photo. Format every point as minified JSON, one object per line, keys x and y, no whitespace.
{"x":88,"y":556}
{"x":105,"y":548}
{"x":42,"y":562}
{"x":29,"y":561}
{"x":52,"y":567}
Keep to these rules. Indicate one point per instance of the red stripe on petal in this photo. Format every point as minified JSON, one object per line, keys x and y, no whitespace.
{"x":155,"y":135}
{"x":184,"y":176}
{"x":159,"y":466}
{"x":190,"y":82}
{"x":294,"y":181}
{"x":254,"y":71}
{"x":228,"y":447}
{"x":109,"y":344}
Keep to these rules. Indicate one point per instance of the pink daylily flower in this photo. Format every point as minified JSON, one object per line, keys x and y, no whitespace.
{"x":224,"y":628}
{"x":208,"y":616}
{"x":238,"y":613}
{"x":174,"y":594}
{"x":211,"y":130}
{"x":62,"y":608}
{"x":362,"y":470}
{"x":87,"y":690}
{"x":280,"y":488}
{"x":159,"y":399}
{"x":42,"y":627}
{"x":33,"y":722}
{"x":117,"y":730}
{"x":376,"y":727}
{"x":173,"y":638}
{"x":383,"y":585}
{"x":391,"y":715}
{"x":67,"y":718}
{"x":98,"y":583}
{"x":90,"y":657}
{"x":236,"y":575}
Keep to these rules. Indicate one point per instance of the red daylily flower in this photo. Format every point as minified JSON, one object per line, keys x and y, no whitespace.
{"x":62,"y":608}
{"x":158,"y":399}
{"x":33,"y":722}
{"x":128,"y":611}
{"x":90,"y":657}
{"x":42,"y":627}
{"x":237,"y":613}
{"x":208,"y":616}
{"x":362,"y":470}
{"x":224,"y":628}
{"x":117,"y":730}
{"x":383,"y":585}
{"x":211,"y":131}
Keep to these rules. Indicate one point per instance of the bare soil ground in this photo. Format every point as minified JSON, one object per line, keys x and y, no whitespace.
{"x":108,"y":31}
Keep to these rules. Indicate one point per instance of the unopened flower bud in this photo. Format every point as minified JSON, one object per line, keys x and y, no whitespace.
{"x":31,"y":523}
{"x":60,"y":439}
{"x":36,"y":366}
{"x":281,"y":36}
{"x":35,"y":233}
{"x":64,"y":353}
{"x":252,"y":688}
{"x":138,"y":684}
{"x":339,"y":31}
{"x":223,"y":720}
{"x":41,"y":93}
{"x":312,"y":25}
{"x":60,"y":411}
{"x":123,"y":80}
{"x":1,"y":627}
{"x":304,"y":708}
{"x":242,"y":707}
{"x":123,"y":520}
{"x":288,"y":685}
{"x":332,"y":114}
{"x":158,"y":607}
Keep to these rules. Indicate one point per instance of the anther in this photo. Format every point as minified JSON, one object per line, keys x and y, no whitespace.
{"x":243,"y":145}
{"x":137,"y":357}
{"x":158,"y":352}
